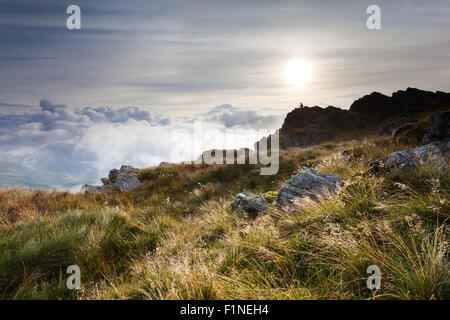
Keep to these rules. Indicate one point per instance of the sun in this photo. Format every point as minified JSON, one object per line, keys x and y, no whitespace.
{"x":298,"y":71}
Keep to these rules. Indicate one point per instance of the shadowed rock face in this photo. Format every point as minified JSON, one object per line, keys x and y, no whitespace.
{"x":294,"y":139}
{"x":412,"y":158}
{"x":328,"y":118}
{"x":306,"y":126}
{"x":439,"y":128}
{"x":378,"y":107}
{"x":304,"y":116}
{"x":308,"y":184}
{"x":343,"y":119}
{"x":420,"y":99}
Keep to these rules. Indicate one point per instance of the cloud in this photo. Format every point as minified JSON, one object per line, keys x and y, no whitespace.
{"x":122,"y":115}
{"x":231,"y":116}
{"x":80,"y":145}
{"x":48,"y":106}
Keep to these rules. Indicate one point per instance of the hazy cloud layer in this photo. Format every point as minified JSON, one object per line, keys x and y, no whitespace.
{"x":82,"y":145}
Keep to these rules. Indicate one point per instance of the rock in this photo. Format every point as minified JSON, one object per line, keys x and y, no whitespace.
{"x":126,"y":182}
{"x":388,"y":127}
{"x":308,"y":126}
{"x":403,"y":103}
{"x":421,"y":99}
{"x":122,"y":179}
{"x":93,"y":189}
{"x":163,"y":163}
{"x":118,"y":179}
{"x":304,"y":116}
{"x":439,"y":129}
{"x":250,"y":203}
{"x":112,"y":176}
{"x":127,"y":169}
{"x":308,"y":184}
{"x":412,"y":158}
{"x":303,"y":139}
{"x":343,"y":119}
{"x":378,"y":107}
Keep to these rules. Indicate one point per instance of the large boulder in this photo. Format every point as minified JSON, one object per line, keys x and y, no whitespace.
{"x":126,"y":182}
{"x":250,"y":203}
{"x":308,"y":184}
{"x":412,"y":158}
{"x":439,"y":129}
{"x":122,"y":179}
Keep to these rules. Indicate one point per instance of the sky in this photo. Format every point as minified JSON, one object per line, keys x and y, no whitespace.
{"x":84,"y":101}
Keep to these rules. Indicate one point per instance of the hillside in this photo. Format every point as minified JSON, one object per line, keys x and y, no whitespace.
{"x":178,"y":236}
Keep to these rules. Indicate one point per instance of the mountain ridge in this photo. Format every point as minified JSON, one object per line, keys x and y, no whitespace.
{"x":305,"y":126}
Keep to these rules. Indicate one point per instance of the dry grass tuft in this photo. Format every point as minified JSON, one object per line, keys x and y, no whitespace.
{"x":176,"y":237}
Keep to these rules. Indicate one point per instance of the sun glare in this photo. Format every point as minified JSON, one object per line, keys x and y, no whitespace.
{"x":298,"y":71}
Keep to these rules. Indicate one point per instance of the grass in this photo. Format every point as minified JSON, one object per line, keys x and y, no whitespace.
{"x":176,"y":238}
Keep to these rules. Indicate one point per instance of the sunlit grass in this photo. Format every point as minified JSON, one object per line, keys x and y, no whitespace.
{"x":176,"y":238}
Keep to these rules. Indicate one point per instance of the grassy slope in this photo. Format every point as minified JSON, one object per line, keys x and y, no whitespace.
{"x":176,"y":238}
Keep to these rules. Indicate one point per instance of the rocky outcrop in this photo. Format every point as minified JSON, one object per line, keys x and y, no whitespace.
{"x":388,"y":127}
{"x":250,"y":203}
{"x":412,"y":158}
{"x":421,"y":100}
{"x":306,"y":126}
{"x":324,"y":118}
{"x":439,"y":129}
{"x":122,"y":179}
{"x":303,"y":139}
{"x":308,"y":184}
{"x":343,"y":119}
{"x":379,"y":107}
{"x":304,"y":116}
